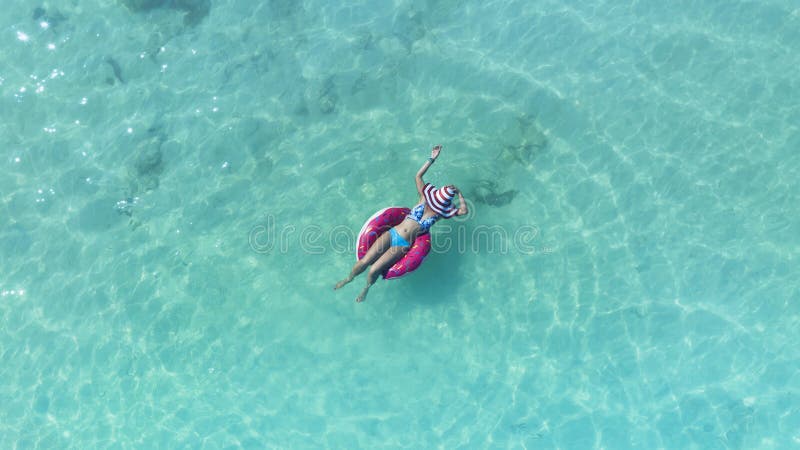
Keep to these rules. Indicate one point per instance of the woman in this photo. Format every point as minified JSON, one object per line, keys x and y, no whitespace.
{"x":390,"y":247}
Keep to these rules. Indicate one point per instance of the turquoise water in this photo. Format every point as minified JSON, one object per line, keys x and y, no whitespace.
{"x":181,"y":187}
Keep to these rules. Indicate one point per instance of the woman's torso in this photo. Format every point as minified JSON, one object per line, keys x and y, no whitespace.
{"x":415,"y":223}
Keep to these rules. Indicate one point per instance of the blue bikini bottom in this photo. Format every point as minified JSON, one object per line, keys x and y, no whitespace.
{"x":398,"y":240}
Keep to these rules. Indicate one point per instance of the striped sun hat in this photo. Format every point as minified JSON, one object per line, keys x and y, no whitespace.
{"x":440,"y":200}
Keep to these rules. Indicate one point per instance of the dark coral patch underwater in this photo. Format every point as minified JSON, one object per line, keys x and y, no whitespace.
{"x":194,"y":10}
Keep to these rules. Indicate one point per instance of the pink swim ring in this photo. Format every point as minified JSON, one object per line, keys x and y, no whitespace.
{"x":380,"y":223}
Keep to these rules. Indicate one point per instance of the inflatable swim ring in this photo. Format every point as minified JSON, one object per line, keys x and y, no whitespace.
{"x":381,"y":222}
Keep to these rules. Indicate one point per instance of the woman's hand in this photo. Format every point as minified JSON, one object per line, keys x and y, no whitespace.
{"x":435,"y":151}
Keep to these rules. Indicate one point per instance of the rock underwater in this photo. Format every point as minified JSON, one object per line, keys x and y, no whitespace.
{"x":487,"y":192}
{"x":194,"y":10}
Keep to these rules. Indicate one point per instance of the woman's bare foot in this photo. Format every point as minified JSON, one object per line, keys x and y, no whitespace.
{"x":342,"y":283}
{"x":363,"y":295}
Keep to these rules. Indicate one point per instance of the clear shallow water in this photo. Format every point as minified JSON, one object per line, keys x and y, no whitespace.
{"x":653,"y":147}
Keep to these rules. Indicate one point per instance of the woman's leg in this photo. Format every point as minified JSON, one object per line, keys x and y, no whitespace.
{"x":382,"y":264}
{"x":375,"y":251}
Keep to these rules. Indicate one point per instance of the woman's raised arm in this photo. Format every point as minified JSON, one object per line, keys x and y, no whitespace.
{"x":462,"y":204}
{"x":434,"y":154}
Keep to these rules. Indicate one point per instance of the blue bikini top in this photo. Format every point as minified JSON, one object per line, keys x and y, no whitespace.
{"x":416,"y":216}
